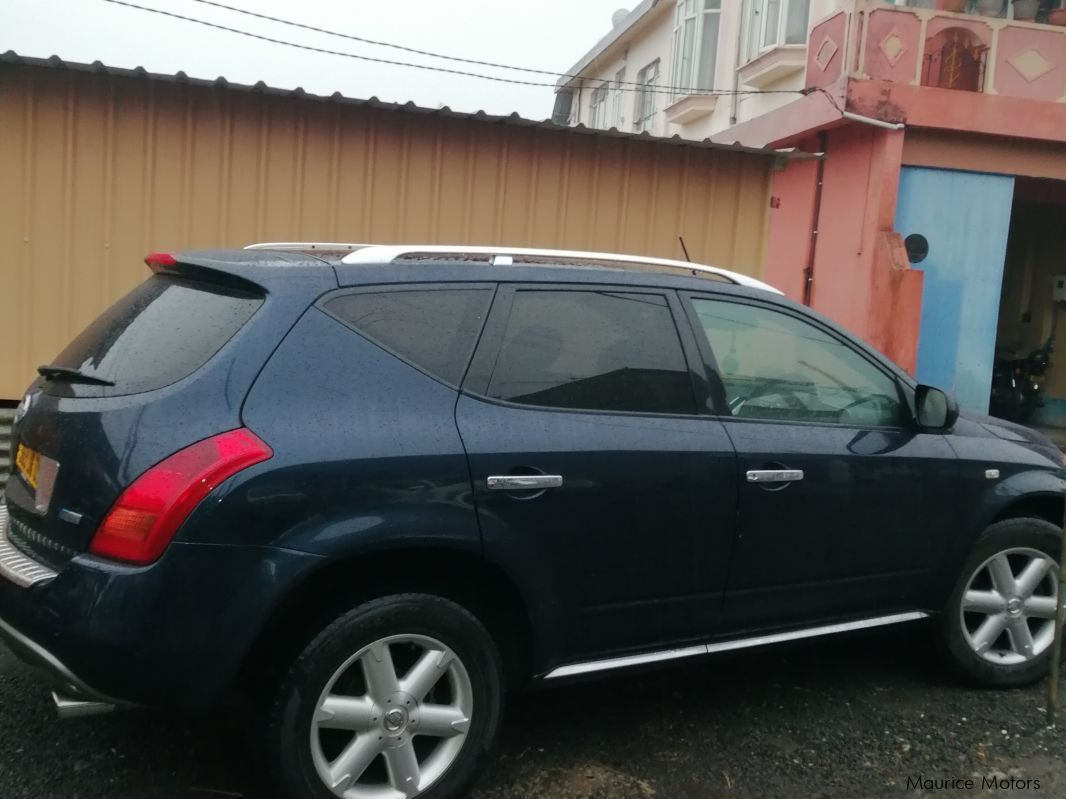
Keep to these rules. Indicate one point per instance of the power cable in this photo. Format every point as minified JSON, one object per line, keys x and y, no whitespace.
{"x":459,"y":59}
{"x":641,"y":88}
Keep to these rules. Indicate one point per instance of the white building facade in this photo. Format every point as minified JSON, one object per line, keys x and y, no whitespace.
{"x":693,"y":68}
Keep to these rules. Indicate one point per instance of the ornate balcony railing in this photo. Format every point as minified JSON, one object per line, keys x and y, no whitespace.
{"x":871,"y":40}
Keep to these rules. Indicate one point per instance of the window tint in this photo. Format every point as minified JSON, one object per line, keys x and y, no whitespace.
{"x":163,"y":330}
{"x":594,"y":350}
{"x":435,"y":329}
{"x":775,"y":366}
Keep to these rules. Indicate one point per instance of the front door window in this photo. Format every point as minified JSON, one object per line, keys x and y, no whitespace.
{"x":777,"y":367}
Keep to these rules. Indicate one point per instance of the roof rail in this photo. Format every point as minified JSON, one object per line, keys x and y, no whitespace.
{"x":330,"y":246}
{"x":505,"y":256}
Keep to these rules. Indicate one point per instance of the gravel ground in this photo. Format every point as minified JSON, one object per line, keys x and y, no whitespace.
{"x":850,"y":717}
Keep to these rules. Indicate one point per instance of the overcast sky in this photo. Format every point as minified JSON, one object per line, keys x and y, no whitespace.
{"x":546,"y":34}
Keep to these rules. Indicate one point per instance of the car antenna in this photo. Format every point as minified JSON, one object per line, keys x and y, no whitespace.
{"x":684,"y":249}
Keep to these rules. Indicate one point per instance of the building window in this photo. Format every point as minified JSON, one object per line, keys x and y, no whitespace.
{"x":647,"y":90}
{"x":772,"y":23}
{"x":696,"y":25}
{"x":598,"y":106}
{"x":617,"y":112}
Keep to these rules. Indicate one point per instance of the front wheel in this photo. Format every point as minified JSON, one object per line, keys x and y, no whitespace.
{"x":999,"y":624}
{"x":400,"y":697}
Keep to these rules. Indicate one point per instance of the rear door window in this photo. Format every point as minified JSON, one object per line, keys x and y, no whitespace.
{"x":162,"y":331}
{"x":600,"y":350}
{"x":433,"y":328}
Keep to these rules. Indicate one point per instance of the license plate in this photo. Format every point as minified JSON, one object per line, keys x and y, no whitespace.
{"x":28,"y":462}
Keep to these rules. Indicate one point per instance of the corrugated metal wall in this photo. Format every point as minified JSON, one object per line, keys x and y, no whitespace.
{"x":99,"y":169}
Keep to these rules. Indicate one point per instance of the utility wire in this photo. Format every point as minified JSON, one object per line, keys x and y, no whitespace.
{"x":640,"y":88}
{"x":459,"y":59}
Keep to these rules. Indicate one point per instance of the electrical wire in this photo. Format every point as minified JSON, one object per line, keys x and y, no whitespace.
{"x":461,"y":60}
{"x":640,"y":88}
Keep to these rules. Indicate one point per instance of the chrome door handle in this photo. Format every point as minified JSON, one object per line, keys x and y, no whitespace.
{"x":524,"y":482}
{"x":774,"y":475}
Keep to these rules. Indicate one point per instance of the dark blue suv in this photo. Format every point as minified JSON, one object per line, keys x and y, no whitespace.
{"x":386,"y":484}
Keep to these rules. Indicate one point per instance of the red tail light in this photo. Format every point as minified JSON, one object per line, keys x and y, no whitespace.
{"x":145,"y":517}
{"x":159,"y":260}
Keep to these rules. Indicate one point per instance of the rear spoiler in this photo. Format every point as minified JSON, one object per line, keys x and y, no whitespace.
{"x":162,"y":263}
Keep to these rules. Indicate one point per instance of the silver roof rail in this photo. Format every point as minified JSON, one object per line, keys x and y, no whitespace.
{"x":504,"y":256}
{"x":330,"y":246}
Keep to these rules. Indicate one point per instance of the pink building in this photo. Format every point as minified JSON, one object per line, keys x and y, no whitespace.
{"x":936,"y":224}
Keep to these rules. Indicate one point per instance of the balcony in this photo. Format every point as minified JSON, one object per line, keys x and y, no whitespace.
{"x":875,"y":41}
{"x":689,"y":108}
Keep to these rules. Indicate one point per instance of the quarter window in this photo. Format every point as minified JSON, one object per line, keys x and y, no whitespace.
{"x":435,"y":329}
{"x":775,"y":366}
{"x":592,"y":350}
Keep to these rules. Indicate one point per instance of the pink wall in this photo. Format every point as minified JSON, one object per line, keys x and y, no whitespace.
{"x":862,"y":279}
{"x":827,"y":51}
{"x":791,"y":222}
{"x":1038,"y":50}
{"x":893,"y":46}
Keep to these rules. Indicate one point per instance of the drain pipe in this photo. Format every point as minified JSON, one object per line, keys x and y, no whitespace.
{"x":876,"y":123}
{"x":808,"y":273}
{"x":736,"y":72}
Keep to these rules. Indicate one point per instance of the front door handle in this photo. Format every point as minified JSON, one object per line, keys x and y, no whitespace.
{"x":774,"y":475}
{"x":524,"y":482}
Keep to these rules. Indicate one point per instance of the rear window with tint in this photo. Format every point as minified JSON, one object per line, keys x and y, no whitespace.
{"x":162,"y":331}
{"x":593,"y":350}
{"x":435,"y":329}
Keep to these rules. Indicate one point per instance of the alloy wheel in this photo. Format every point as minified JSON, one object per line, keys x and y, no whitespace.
{"x":391,"y":719}
{"x":1007,"y":611}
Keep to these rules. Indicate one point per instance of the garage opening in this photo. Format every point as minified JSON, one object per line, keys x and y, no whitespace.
{"x":1029,"y":372}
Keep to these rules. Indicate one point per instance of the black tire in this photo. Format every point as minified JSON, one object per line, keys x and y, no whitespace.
{"x":290,"y":723}
{"x":1029,"y":533}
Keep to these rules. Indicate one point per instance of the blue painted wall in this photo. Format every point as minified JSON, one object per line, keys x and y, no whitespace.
{"x":966,"y":218}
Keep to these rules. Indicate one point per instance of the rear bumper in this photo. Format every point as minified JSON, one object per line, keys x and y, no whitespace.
{"x":173,"y":634}
{"x":63,"y":680}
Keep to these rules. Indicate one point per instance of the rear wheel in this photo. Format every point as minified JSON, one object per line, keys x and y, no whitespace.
{"x":399,"y":697}
{"x":1000,"y":621}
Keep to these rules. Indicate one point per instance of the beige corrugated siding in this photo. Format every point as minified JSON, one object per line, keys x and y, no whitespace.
{"x":100,"y":169}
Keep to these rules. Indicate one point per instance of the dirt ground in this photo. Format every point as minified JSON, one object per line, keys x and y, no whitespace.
{"x":854,"y":717}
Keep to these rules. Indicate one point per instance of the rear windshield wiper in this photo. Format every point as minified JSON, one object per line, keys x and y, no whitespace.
{"x":71,"y":375}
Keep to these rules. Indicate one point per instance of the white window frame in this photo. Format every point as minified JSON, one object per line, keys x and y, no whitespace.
{"x":645,"y":100}
{"x":618,"y":106}
{"x":598,"y":105}
{"x":693,"y":16}
{"x":758,"y":21}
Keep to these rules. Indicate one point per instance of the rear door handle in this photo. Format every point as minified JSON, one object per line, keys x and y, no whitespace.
{"x":774,"y":475}
{"x":524,"y":482}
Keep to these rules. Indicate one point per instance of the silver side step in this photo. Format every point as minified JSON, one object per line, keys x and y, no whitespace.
{"x":645,"y":658}
{"x":69,"y":708}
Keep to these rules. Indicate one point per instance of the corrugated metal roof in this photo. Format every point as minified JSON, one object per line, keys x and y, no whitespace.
{"x":55,"y":62}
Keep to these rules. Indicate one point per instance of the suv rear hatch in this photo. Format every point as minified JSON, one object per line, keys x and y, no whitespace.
{"x":168,"y":365}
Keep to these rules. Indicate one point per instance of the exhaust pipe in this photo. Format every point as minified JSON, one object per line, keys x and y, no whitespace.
{"x":70,"y":708}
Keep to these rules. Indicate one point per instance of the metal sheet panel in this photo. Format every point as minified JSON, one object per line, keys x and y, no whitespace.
{"x":100,"y":168}
{"x":965,"y":216}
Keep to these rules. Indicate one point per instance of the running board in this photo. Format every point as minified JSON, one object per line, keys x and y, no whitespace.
{"x":591,"y":666}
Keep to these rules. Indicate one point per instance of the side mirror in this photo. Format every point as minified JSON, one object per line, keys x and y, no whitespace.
{"x":935,"y":409}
